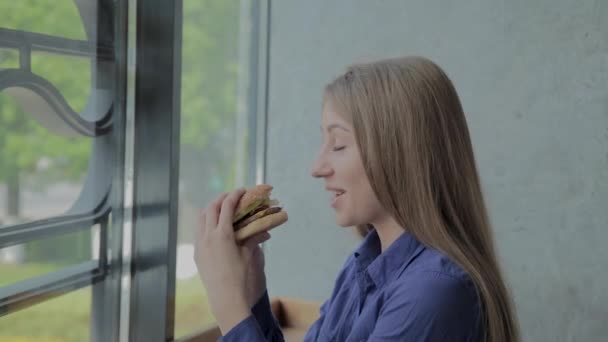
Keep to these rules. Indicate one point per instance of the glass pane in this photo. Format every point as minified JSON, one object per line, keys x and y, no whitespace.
{"x":214,"y":132}
{"x":43,"y":165}
{"x":70,"y":75}
{"x":43,"y":162}
{"x":9,"y":59}
{"x":56,"y":18}
{"x":41,"y":174}
{"x":35,"y":258}
{"x":63,"y":319}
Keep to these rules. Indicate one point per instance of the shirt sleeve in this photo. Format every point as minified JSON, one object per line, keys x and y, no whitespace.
{"x":433,"y":307}
{"x":259,"y":327}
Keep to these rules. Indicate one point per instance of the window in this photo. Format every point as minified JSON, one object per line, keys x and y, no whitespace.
{"x":57,"y":165}
{"x":219,"y":128}
{"x":118,"y":121}
{"x":42,"y":161}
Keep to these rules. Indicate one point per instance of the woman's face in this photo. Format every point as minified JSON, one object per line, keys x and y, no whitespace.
{"x":339,"y":164}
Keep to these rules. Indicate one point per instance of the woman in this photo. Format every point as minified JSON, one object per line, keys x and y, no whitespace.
{"x":397,"y":157}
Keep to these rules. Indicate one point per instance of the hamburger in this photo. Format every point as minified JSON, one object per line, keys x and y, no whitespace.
{"x":256,"y":212}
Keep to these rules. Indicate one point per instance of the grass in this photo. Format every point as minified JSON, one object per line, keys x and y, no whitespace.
{"x":192,"y":307}
{"x":13,"y":273}
{"x":62,"y":319}
{"x":68,"y":318}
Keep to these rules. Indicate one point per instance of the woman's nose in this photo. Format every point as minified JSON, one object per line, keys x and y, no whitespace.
{"x":320,"y":168}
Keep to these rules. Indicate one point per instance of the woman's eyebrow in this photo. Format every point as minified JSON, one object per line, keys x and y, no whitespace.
{"x":335,"y":125}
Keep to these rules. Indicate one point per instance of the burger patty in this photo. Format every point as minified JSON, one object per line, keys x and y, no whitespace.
{"x":255,"y":215}
{"x":253,"y":212}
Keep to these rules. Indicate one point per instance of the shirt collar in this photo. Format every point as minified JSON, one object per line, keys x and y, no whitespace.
{"x":381,"y":267}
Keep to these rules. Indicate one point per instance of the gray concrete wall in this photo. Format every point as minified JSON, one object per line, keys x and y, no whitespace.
{"x":533,"y":79}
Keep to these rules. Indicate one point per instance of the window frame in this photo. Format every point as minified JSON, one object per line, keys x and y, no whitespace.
{"x":156,"y":120}
{"x":133,"y":282}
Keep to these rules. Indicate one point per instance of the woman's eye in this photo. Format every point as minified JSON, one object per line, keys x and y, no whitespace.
{"x":338,"y":148}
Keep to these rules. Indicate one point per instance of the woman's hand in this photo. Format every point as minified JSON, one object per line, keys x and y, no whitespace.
{"x":224,"y":265}
{"x":256,"y":278}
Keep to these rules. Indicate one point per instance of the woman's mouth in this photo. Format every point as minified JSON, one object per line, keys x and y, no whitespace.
{"x":335,"y":197}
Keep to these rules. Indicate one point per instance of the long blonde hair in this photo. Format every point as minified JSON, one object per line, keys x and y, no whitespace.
{"x":417,"y":153}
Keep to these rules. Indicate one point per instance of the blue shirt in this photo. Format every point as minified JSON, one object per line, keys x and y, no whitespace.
{"x":407,"y":293}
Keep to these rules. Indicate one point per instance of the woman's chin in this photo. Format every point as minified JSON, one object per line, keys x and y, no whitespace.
{"x":344,"y":222}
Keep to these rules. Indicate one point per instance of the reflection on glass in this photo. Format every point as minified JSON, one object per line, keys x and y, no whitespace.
{"x":214,"y":135}
{"x":63,"y":319}
{"x":39,"y":257}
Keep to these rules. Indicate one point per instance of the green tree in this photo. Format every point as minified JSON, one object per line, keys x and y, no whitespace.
{"x":23,"y":142}
{"x":209,"y":86}
{"x":209,"y":80}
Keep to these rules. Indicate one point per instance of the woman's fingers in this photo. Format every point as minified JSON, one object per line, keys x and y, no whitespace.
{"x":251,"y":246}
{"x":201,"y":226}
{"x":227,"y":213}
{"x":212,"y":212}
{"x":199,"y":233}
{"x":257,"y":239}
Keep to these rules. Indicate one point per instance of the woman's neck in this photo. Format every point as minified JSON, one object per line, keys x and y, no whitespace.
{"x":388,"y":231}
